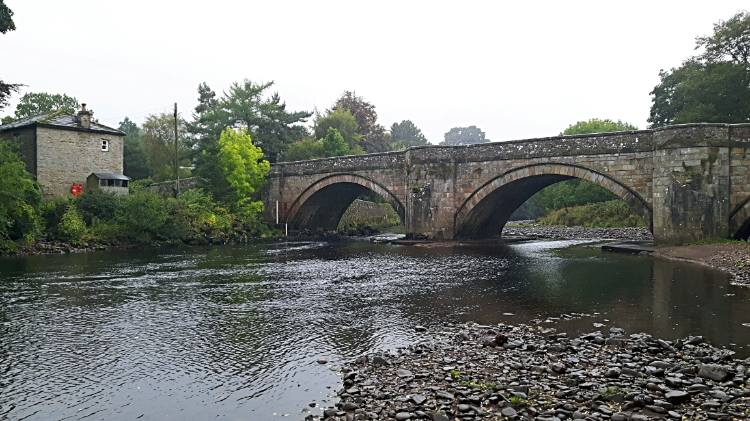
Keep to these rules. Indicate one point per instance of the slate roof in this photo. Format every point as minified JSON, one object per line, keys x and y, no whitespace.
{"x":58,"y":119}
{"x":108,"y":176}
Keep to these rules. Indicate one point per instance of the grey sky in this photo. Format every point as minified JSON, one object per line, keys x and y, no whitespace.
{"x":515,"y":69}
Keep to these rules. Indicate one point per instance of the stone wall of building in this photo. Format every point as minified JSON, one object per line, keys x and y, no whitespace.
{"x":65,"y":157}
{"x":167,"y":188}
{"x":24,"y":139}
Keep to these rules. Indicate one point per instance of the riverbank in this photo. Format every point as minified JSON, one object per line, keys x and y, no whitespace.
{"x":528,"y":372}
{"x":546,"y":231}
{"x":731,"y":258}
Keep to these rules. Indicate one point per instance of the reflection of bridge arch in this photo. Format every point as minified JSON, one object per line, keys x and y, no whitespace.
{"x":324,"y":202}
{"x":485,"y":212}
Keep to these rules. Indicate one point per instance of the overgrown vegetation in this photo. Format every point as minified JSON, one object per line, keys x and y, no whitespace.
{"x":147,"y":218}
{"x":714,"y":240}
{"x":613,"y":213}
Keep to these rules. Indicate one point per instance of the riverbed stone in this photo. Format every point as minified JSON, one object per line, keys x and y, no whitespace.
{"x":677,"y":397}
{"x":714,"y":372}
{"x":508,"y":412}
{"x":403,"y":416}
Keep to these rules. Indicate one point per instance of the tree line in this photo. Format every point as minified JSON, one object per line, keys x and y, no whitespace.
{"x":231,"y":138}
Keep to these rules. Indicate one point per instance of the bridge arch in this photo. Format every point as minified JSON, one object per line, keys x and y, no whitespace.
{"x":485,"y":212}
{"x":324,"y":202}
{"x":739,"y":220}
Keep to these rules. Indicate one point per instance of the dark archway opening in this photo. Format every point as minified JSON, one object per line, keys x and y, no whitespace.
{"x":325,"y":208}
{"x":489,"y":216}
{"x":583,"y":198}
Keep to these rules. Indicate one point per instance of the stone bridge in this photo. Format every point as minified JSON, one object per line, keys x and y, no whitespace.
{"x":687,"y":182}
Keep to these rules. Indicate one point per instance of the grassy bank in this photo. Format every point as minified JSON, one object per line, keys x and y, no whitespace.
{"x":611,"y":214}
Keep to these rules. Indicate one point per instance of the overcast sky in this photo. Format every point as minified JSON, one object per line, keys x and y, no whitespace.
{"x":515,"y":69}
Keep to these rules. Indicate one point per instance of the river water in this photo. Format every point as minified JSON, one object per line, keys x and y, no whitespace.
{"x":235,"y":332}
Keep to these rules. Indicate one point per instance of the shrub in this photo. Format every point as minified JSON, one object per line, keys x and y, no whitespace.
{"x":96,"y":204}
{"x":614,"y":213}
{"x":71,"y":226}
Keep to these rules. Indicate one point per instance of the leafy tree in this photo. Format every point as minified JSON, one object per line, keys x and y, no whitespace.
{"x":464,"y":136}
{"x":595,"y":125}
{"x":344,"y":122}
{"x":32,"y":104}
{"x":711,"y":87}
{"x":6,"y":90}
{"x":20,"y":198}
{"x":6,"y":19}
{"x":374,"y":138}
{"x":363,"y":112}
{"x":242,"y":166}
{"x":307,"y":148}
{"x":244,"y":105}
{"x":334,"y":144}
{"x":158,"y":140}
{"x":135,"y":162}
{"x":408,"y":134}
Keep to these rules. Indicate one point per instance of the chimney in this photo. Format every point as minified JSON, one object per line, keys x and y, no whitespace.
{"x":84,"y":117}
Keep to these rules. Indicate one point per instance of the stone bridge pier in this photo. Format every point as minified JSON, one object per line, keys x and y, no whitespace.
{"x":687,"y":182}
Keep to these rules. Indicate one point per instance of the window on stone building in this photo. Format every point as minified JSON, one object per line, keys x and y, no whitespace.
{"x":105,"y":145}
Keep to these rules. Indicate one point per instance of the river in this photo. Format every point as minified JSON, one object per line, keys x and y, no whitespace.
{"x":236,"y":331}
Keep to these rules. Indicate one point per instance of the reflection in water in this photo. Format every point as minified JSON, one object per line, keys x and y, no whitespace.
{"x":236,"y":330}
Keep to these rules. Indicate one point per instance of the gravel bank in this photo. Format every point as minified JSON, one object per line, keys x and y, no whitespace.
{"x":632,"y":234}
{"x":471,"y":372}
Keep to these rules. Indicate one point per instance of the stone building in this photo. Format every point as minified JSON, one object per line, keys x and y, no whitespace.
{"x":63,"y":149}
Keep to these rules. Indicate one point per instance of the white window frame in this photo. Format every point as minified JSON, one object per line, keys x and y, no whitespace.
{"x":105,"y":145}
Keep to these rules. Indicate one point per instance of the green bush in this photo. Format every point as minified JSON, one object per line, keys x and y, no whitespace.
{"x":71,"y":226}
{"x":614,"y":213}
{"x":97,"y":204}
{"x":20,"y":198}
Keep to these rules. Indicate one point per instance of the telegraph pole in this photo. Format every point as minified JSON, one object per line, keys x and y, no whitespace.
{"x":176,"y":153}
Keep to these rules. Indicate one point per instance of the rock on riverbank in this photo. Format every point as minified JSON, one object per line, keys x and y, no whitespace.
{"x":471,"y":372}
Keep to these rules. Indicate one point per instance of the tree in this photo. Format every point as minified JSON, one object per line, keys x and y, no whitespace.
{"x":245,"y":105}
{"x":6,"y":90}
{"x":6,"y":24}
{"x":464,"y":136}
{"x":206,"y":100}
{"x":158,"y":139}
{"x":595,"y":125}
{"x":344,"y":122}
{"x":135,"y":163}
{"x":374,"y":138}
{"x":243,"y":169}
{"x":19,"y":200}
{"x":408,"y":134}
{"x":713,"y":86}
{"x":6,"y":19}
{"x":334,"y":144}
{"x":307,"y":148}
{"x":32,"y":104}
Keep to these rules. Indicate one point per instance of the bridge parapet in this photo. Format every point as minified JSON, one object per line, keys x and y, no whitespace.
{"x":687,"y":181}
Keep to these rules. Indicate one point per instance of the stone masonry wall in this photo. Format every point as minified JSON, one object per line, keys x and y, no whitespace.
{"x":690,"y":178}
{"x":24,"y":139}
{"x":65,"y":157}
